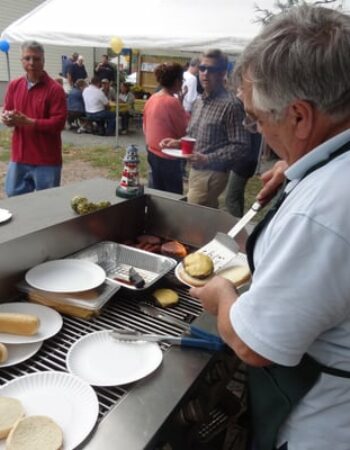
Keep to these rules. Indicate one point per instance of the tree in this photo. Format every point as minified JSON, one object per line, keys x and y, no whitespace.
{"x":265,"y":15}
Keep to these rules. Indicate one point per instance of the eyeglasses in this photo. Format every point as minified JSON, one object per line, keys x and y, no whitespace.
{"x":33,"y":58}
{"x":210,"y":69}
{"x":250,"y":124}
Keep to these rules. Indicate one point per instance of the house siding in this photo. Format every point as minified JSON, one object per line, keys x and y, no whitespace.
{"x":10,"y":11}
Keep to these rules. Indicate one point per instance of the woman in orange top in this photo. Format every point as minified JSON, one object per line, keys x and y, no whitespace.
{"x":164,"y":116}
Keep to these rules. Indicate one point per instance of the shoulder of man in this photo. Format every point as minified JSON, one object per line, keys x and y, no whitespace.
{"x":17,"y":81}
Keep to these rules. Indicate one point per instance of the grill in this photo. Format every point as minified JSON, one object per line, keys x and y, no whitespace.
{"x":121,"y":312}
{"x":149,"y":406}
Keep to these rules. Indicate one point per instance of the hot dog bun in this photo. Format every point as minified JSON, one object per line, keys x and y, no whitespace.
{"x":23,"y":324}
{"x":3,"y":353}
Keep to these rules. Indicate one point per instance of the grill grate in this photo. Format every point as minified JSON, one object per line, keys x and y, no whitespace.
{"x":120,"y":312}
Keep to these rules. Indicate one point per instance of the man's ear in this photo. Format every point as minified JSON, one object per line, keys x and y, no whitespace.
{"x":303,"y":116}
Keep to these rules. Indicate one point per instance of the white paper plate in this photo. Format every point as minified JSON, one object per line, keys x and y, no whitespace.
{"x":69,"y":401}
{"x":5,"y":215}
{"x":239,"y":261}
{"x":50,"y":322}
{"x":66,"y":275}
{"x":178,"y":270}
{"x":101,"y":360}
{"x":20,"y":352}
{"x":175,"y":152}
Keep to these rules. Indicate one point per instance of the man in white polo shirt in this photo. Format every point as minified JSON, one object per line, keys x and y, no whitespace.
{"x":292,"y":327}
{"x":189,"y":85}
{"x":96,"y":106}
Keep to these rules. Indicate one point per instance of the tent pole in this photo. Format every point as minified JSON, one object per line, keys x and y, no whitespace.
{"x":117,"y":107}
{"x":8,"y":66}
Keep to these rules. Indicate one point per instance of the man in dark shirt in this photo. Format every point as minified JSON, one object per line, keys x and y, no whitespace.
{"x":105,"y":70}
{"x":69,"y":63}
{"x":77,"y":71}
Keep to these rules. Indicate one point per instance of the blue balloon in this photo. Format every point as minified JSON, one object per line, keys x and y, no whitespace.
{"x":4,"y":46}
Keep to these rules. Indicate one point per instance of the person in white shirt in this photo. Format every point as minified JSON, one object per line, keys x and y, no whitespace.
{"x":96,"y":106}
{"x":292,"y":327}
{"x":189,"y":86}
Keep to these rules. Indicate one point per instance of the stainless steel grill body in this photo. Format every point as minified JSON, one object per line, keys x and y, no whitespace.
{"x":130,"y":416}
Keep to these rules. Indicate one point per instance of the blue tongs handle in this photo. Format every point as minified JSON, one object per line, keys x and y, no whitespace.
{"x":202,"y":343}
{"x":200,"y":333}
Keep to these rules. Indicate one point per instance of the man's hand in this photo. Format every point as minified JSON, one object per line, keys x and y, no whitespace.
{"x":272,"y":181}
{"x":7,"y":118}
{"x":169,"y":143}
{"x":216,"y":291}
{"x":198,"y":158}
{"x":19,"y":119}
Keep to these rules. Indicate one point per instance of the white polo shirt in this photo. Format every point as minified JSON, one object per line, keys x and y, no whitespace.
{"x":94,"y":99}
{"x":299,"y":300}
{"x":190,"y":82}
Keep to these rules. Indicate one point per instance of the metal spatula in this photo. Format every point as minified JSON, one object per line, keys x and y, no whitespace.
{"x":222,"y":249}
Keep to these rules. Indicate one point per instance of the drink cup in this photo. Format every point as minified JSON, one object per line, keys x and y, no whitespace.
{"x":187,"y":145}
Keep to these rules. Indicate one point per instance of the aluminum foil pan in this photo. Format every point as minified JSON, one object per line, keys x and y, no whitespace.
{"x":117,"y":259}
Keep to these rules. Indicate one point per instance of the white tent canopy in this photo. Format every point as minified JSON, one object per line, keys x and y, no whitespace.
{"x":186,"y":25}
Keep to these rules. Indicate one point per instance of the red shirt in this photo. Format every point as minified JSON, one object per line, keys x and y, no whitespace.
{"x":46,"y":102}
{"x":163,"y":117}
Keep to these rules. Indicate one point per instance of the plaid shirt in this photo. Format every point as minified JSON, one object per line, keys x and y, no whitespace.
{"x":216,"y":124}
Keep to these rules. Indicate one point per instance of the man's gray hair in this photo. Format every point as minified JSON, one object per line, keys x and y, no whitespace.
{"x":301,"y":54}
{"x":33,"y":45}
{"x":194,"y":62}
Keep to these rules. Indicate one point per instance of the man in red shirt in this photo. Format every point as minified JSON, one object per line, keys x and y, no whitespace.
{"x":35,"y":106}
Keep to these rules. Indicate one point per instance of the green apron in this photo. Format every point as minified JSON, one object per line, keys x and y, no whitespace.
{"x":275,"y":390}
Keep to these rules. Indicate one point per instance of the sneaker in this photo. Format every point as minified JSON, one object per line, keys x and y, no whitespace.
{"x":81,"y":130}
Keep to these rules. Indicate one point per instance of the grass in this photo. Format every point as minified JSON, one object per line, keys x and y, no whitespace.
{"x":104,"y":157}
{"x":99,"y":156}
{"x":110,"y":159}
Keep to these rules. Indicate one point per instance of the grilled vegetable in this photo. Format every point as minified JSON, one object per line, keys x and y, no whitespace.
{"x":82,"y":205}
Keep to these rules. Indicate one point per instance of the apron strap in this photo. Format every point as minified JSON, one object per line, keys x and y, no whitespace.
{"x":280,"y":199}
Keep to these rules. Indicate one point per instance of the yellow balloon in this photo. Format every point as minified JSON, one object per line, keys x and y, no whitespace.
{"x":116,"y":44}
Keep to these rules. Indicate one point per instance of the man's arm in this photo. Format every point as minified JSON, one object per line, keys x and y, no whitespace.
{"x":57,"y":113}
{"x":272,"y":180}
{"x":217,"y":297}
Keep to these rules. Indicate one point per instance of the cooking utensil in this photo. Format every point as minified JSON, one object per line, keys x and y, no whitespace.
{"x":135,"y":278}
{"x":117,"y":259}
{"x":183,"y":341}
{"x":223,"y":249}
{"x":191,"y":329}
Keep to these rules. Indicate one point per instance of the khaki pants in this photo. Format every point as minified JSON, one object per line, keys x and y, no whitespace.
{"x":205,"y":186}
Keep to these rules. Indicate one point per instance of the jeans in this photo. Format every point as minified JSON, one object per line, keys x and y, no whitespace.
{"x":24,"y":178}
{"x":166,"y":173}
{"x":124,"y":119}
{"x":108,"y":116}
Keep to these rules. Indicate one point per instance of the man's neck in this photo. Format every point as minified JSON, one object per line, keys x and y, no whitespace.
{"x":213,"y":91}
{"x":34,"y":79}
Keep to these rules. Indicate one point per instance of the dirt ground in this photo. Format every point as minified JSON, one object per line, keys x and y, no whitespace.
{"x":79,"y":170}
{"x":72,"y":172}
